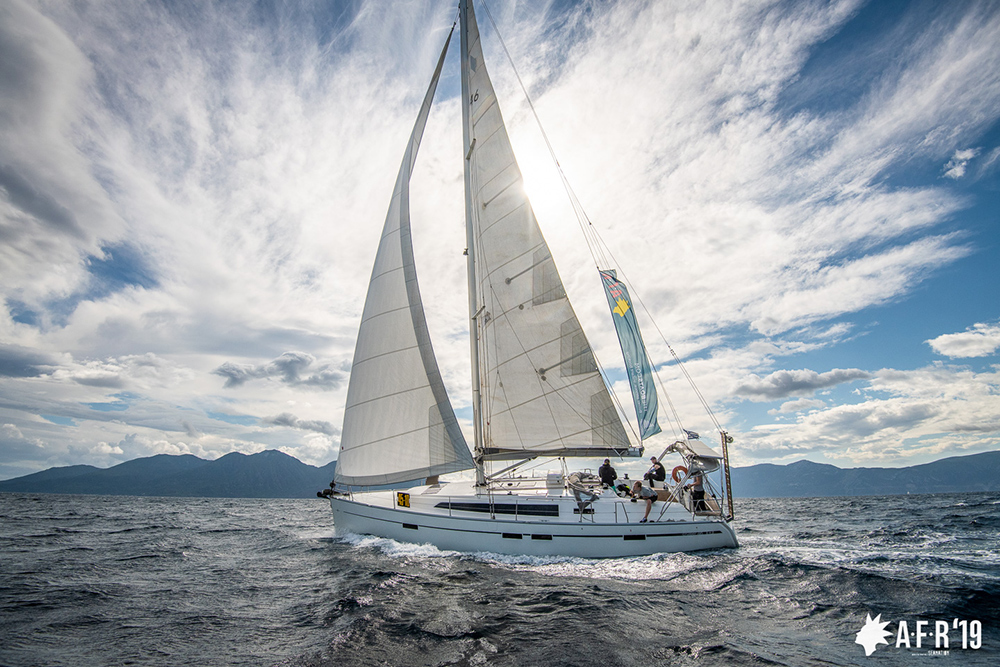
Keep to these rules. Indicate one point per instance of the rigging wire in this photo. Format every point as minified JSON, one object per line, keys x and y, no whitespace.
{"x":600,"y":251}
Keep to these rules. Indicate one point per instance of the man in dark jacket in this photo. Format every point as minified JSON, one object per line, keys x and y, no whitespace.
{"x":607,"y":474}
{"x":656,"y":472}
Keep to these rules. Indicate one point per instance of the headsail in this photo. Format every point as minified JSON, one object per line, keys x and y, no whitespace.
{"x":640,"y":374}
{"x":542,"y":393}
{"x":398,"y":424}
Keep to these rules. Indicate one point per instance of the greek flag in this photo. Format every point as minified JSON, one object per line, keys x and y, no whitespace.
{"x":691,"y":435}
{"x":640,"y":374}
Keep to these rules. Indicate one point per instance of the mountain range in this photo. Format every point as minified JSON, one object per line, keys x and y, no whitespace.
{"x":273,"y":474}
{"x":804,"y":479}
{"x":268,"y":474}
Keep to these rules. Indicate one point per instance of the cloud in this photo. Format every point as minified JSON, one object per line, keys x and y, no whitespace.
{"x":288,"y":368}
{"x":139,"y":371}
{"x":15,"y":447}
{"x":207,"y":196}
{"x":291,"y":421}
{"x":99,"y":378}
{"x":21,"y":362}
{"x":53,"y":211}
{"x":955,"y":167}
{"x":818,"y":292}
{"x":798,"y":405}
{"x":981,"y":340}
{"x":989,"y":162}
{"x":782,"y":384}
{"x":902,"y":415}
{"x":104,"y":449}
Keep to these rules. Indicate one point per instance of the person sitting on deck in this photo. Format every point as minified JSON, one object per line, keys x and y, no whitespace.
{"x":656,"y":472}
{"x":647,"y":494}
{"x":607,"y":474}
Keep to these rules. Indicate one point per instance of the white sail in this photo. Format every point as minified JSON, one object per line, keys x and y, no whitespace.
{"x":541,"y":390}
{"x":398,"y":423}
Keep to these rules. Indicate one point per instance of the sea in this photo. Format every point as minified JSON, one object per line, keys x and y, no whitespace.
{"x":112,"y":580}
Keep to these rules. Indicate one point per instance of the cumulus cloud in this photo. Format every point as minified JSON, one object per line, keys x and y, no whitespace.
{"x":291,"y":421}
{"x":104,"y":449}
{"x":782,"y":384}
{"x":955,"y":167}
{"x":288,"y":368}
{"x":981,"y":340}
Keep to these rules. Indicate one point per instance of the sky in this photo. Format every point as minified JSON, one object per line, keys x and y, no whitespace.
{"x":803,"y":195}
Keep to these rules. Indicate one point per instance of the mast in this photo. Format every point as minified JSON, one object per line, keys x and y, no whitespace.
{"x":467,"y":145}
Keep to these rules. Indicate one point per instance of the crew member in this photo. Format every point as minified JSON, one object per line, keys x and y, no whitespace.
{"x":656,"y":472}
{"x":647,"y":494}
{"x":607,"y":474}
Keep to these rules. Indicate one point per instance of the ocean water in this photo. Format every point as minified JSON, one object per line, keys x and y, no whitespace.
{"x":100,"y":580}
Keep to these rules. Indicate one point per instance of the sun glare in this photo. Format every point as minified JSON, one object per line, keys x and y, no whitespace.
{"x":542,"y":184}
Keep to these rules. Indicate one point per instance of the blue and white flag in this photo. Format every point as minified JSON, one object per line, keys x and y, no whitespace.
{"x":691,"y":435}
{"x":640,"y":374}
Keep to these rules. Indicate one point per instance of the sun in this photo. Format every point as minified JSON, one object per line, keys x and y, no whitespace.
{"x":541,"y":181}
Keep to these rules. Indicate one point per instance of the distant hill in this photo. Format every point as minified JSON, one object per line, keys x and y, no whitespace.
{"x":269,"y":474}
{"x":804,"y":479}
{"x":273,"y":474}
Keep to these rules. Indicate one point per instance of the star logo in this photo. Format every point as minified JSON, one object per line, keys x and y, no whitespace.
{"x":622,"y":307}
{"x":872,"y":634}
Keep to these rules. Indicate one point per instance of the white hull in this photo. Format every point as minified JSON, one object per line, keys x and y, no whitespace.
{"x":611,"y":531}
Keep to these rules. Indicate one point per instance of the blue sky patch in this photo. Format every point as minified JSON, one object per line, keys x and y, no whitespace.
{"x":21,"y":313}
{"x":123,"y":402}
{"x":62,"y":421}
{"x":122,"y":266}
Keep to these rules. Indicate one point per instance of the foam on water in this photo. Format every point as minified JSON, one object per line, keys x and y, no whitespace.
{"x":394,"y":549}
{"x":638,"y":568}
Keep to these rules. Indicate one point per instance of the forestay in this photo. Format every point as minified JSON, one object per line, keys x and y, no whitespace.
{"x":398,"y":424}
{"x":541,"y":389}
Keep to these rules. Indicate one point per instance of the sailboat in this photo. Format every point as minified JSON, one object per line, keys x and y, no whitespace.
{"x":537,"y":391}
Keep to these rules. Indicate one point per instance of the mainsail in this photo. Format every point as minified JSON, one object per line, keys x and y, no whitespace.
{"x":398,"y":424}
{"x":542,"y":393}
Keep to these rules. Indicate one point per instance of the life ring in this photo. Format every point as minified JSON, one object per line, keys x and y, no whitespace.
{"x":679,"y":473}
